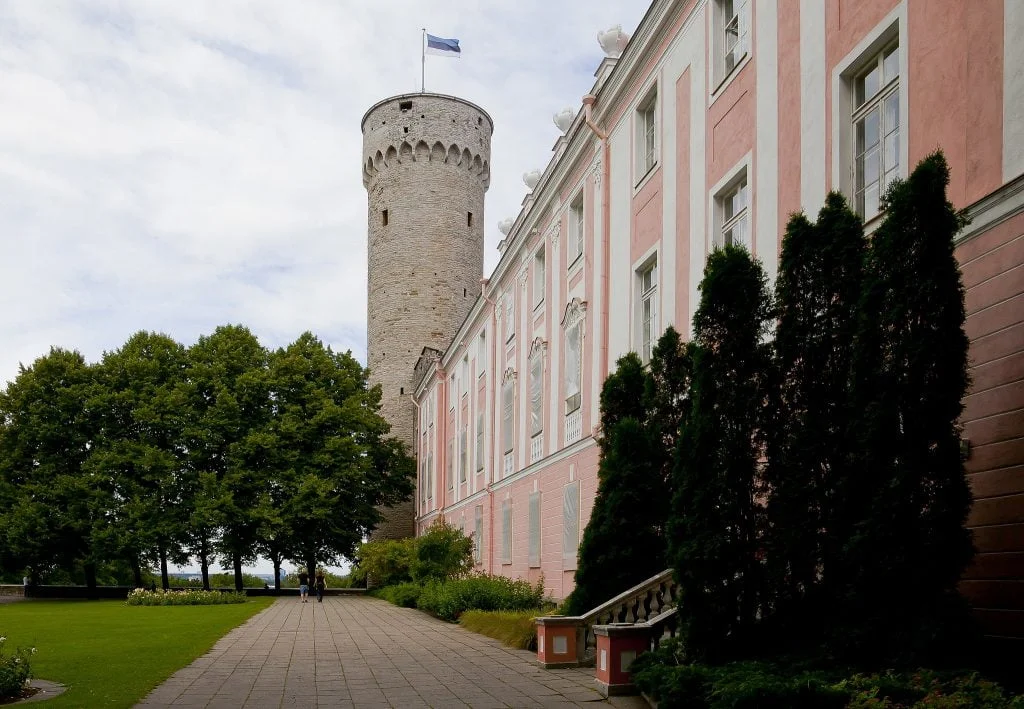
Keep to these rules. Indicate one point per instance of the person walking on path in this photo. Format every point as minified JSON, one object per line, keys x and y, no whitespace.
{"x":320,"y":585}
{"x":303,"y":585}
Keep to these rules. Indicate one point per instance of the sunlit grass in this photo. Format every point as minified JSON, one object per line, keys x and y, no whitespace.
{"x":514,"y":628}
{"x":109,"y":654}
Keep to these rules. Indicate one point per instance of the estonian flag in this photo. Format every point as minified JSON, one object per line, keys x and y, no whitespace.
{"x":442,"y":46}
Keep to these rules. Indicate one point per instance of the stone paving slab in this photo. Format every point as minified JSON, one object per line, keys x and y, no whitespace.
{"x":361,"y":652}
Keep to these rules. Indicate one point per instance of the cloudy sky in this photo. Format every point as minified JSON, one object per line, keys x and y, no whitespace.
{"x":174,"y":165}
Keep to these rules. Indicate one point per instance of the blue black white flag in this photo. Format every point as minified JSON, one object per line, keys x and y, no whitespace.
{"x":443,"y":47}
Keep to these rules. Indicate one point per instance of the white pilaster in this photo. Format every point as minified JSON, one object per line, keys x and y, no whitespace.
{"x":1013,"y":89}
{"x":812,"y":106}
{"x":766,"y":156}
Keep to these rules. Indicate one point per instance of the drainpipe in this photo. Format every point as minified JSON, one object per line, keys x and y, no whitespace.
{"x":419,"y":495}
{"x":606,"y":229}
{"x":484,"y":282}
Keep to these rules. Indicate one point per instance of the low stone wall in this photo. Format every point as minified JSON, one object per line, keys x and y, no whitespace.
{"x":10,"y":589}
{"x":119,"y":592}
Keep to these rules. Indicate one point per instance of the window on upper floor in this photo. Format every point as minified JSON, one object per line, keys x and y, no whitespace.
{"x":731,"y":35}
{"x":647,"y":134}
{"x":539,"y":277}
{"x":463,"y":455}
{"x":876,"y":130}
{"x":481,"y":354}
{"x":733,"y":207}
{"x":479,"y":441}
{"x":508,"y":416}
{"x":510,"y":315}
{"x":575,"y":244}
{"x":573,"y":366}
{"x":450,"y":463}
{"x":647,"y":306}
{"x":537,"y":392}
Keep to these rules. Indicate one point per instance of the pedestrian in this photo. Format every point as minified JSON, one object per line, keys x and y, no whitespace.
{"x":321,"y":584}
{"x":303,"y":585}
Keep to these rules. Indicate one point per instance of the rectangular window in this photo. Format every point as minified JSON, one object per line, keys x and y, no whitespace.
{"x":648,"y":289}
{"x":430,"y":476}
{"x":534,"y":530}
{"x":478,"y":534}
{"x":479,"y":441}
{"x":876,"y":123}
{"x":506,"y":532}
{"x":576,"y":229}
{"x":537,"y":394}
{"x":510,"y":316}
{"x":463,"y":455}
{"x":573,"y":366}
{"x":735,"y":208}
{"x":570,"y":524}
{"x":646,"y":134}
{"x":481,"y":354}
{"x":732,"y":34}
{"x":507,"y":417}
{"x":450,"y":463}
{"x":539,"y":277}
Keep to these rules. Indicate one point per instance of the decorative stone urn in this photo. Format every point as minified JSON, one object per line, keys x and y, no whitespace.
{"x":613,"y":41}
{"x":563,"y":119}
{"x":505,"y":226}
{"x":531,"y":178}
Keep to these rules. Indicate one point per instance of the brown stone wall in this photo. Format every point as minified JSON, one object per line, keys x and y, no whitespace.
{"x":426,"y":167}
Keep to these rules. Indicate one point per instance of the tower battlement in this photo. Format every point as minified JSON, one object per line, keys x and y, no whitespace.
{"x":426,"y":168}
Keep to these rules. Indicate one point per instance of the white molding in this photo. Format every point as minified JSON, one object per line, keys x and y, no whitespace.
{"x":994,"y":209}
{"x":812,"y":105}
{"x":1013,"y":89}
{"x":741,"y":168}
{"x":765,"y":199}
{"x":572,"y":449}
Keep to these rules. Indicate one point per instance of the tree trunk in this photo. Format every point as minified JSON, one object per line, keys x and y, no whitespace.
{"x":277,"y":572}
{"x":136,"y":571}
{"x":90,"y":580}
{"x":311,"y":567}
{"x":204,"y":563}
{"x":165,"y":582}
{"x":237,"y":561}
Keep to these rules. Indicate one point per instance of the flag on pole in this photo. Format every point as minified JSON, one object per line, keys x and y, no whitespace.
{"x":443,"y":47}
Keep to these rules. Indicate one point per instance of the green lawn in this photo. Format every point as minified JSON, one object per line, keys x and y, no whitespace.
{"x":109,"y":654}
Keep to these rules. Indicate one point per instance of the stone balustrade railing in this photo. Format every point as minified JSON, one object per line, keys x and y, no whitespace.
{"x":641,"y":604}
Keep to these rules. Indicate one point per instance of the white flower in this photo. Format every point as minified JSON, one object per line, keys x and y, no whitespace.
{"x":33,"y":651}
{"x":3,"y":638}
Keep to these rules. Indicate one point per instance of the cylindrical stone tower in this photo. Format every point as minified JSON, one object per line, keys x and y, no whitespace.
{"x":426,"y":167}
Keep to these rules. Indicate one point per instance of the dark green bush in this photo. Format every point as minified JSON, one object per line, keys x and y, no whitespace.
{"x":448,"y":599}
{"x":403,"y":594}
{"x":444,"y":552}
{"x":386,"y":562}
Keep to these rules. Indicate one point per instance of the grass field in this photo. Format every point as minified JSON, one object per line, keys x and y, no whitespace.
{"x":109,"y":654}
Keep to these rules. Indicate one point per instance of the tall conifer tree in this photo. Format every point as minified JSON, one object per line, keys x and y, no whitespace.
{"x":817,"y":291}
{"x":907,"y":502}
{"x":714,"y":530}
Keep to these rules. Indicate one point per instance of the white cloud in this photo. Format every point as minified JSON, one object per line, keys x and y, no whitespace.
{"x":174,"y":166}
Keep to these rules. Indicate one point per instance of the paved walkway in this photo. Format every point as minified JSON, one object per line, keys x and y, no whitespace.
{"x":363,"y":652}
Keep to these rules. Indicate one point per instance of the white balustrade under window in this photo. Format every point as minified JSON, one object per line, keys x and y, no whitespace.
{"x":536,"y":447}
{"x":574,"y":426}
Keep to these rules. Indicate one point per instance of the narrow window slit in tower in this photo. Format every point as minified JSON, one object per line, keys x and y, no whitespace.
{"x":469,"y":219}
{"x":401,"y":391}
{"x":463,"y":292}
{"x":406,"y":129}
{"x":405,"y":105}
{"x":384,"y":217}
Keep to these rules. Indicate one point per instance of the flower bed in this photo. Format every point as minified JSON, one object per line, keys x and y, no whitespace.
{"x":190,"y":597}
{"x":15,"y":671}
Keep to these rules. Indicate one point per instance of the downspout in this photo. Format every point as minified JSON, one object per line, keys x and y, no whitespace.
{"x":606,"y":228}
{"x":484,"y":282}
{"x":419,"y":495}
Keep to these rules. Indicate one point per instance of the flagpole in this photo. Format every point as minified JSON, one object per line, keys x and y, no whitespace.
{"x":423,"y":62}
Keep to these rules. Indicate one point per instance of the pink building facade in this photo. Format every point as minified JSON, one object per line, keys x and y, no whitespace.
{"x":720,"y":119}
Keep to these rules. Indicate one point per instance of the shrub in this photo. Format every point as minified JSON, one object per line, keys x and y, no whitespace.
{"x":444,"y":552}
{"x":15,"y":670}
{"x":514,"y":628}
{"x":403,"y":594}
{"x":142,"y":597}
{"x":386,"y":562}
{"x":449,"y":599}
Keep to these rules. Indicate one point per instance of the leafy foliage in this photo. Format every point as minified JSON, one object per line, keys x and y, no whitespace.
{"x":717,"y":518}
{"x":387,"y":562}
{"x":189,"y":597}
{"x":443,"y":552}
{"x":450,"y":599}
{"x":516,"y":629}
{"x":15,"y":670}
{"x":405,"y":594}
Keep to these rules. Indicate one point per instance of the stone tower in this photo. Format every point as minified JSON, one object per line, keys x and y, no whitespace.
{"x":426,"y":167}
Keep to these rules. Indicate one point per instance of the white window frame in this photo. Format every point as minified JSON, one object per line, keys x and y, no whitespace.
{"x":573,"y":377}
{"x":537,"y":392}
{"x":508,"y":416}
{"x":887,"y":94}
{"x":647,"y":310}
{"x":463,"y":455}
{"x":730,"y":40}
{"x":740,"y":172}
{"x":577,"y":229}
{"x":481,"y":354}
{"x":534,"y":541}
{"x":539,"y":277}
{"x":450,"y":463}
{"x":430,"y":476}
{"x":570,"y":525}
{"x":890,"y":30}
{"x":735,"y":218}
{"x":506,"y":531}
{"x":646,"y":134}
{"x":479,"y":453}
